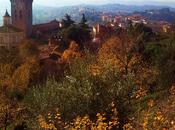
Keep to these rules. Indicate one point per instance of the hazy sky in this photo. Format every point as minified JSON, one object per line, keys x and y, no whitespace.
{"x":75,"y":2}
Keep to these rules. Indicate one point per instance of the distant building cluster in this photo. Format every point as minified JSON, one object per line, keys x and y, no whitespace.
{"x":111,"y":22}
{"x":122,"y":21}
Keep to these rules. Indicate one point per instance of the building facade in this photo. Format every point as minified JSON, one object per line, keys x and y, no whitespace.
{"x":11,"y":39}
{"x":10,"y":36}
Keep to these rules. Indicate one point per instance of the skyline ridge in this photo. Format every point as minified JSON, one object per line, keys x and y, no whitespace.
{"x":55,"y":3}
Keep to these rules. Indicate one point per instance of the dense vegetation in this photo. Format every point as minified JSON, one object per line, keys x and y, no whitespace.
{"x":128,"y":83}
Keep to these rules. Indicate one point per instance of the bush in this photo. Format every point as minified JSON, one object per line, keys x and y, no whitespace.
{"x":23,"y":76}
{"x":28,"y":49}
{"x":79,"y":93}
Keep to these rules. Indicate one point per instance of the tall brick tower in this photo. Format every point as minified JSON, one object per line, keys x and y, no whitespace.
{"x":21,"y":11}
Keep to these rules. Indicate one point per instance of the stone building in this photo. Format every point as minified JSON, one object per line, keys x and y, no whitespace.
{"x":18,"y":26}
{"x":10,"y":36}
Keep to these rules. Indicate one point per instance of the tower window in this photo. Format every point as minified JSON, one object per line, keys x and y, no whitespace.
{"x":1,"y":40}
{"x":15,"y":14}
{"x":20,"y":14}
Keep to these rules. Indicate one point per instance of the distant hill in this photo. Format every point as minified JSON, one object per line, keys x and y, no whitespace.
{"x":113,"y":8}
{"x":44,"y":14}
{"x":164,"y":14}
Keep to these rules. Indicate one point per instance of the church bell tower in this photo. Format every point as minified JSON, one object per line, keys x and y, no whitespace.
{"x":21,"y":11}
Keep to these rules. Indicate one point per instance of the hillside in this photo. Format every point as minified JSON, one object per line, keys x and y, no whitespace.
{"x":164,"y":14}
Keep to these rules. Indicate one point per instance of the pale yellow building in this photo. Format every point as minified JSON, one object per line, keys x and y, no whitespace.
{"x":10,"y":36}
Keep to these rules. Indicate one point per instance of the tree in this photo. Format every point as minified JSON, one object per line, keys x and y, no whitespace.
{"x":173,"y":31}
{"x":9,"y":56}
{"x":6,"y":71}
{"x":77,"y":34}
{"x":67,"y":21}
{"x":80,"y":33}
{"x":141,"y":34}
{"x":166,"y":64}
{"x":24,"y":75}
{"x":83,"y":22}
{"x":117,"y":52}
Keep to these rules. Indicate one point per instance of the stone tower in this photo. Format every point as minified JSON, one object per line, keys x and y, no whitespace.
{"x":6,"y":19}
{"x":21,"y":11}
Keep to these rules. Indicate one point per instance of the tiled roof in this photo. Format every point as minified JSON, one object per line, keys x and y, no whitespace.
{"x":9,"y":29}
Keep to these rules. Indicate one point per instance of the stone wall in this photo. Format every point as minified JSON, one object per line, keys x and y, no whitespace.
{"x":11,"y":39}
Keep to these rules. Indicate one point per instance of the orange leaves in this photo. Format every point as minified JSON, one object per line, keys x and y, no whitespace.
{"x":72,"y":52}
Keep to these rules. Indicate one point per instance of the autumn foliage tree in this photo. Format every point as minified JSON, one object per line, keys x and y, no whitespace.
{"x":117,"y":52}
{"x":72,"y":52}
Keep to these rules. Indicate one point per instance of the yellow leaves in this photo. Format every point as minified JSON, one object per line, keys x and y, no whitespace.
{"x":160,"y":121}
{"x":6,"y":71}
{"x":116,"y":53}
{"x":146,"y":74}
{"x":95,"y":69}
{"x":20,"y":78}
{"x":128,"y":126}
{"x":145,"y":121}
{"x":24,"y":73}
{"x":141,"y":92}
{"x":159,"y":116}
{"x":172,"y":90}
{"x":43,"y":124}
{"x":81,"y":123}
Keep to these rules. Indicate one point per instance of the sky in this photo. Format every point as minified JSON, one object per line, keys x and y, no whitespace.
{"x":75,"y":2}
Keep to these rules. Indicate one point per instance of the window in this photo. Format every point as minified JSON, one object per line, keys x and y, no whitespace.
{"x":20,"y":14}
{"x":1,"y":40}
{"x":15,"y":14}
